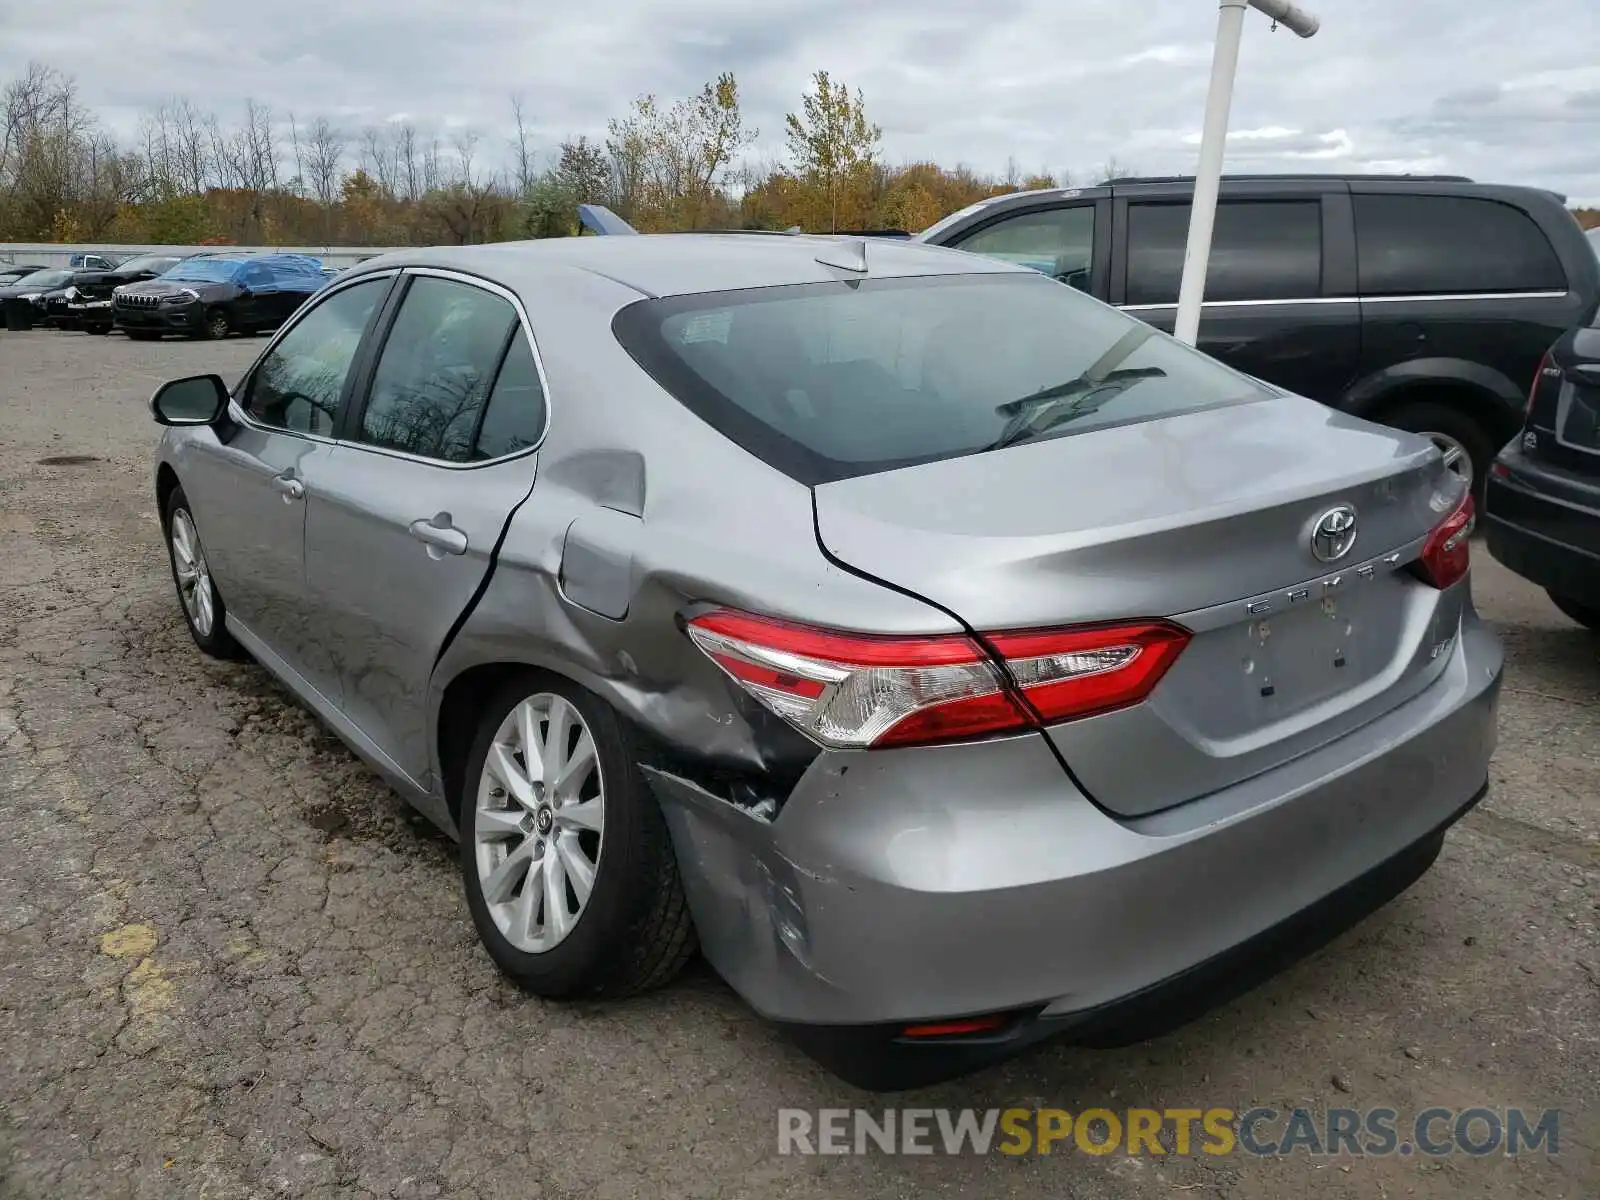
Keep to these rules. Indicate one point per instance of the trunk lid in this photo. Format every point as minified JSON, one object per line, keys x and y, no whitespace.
{"x":1564,"y":408}
{"x":1205,"y":518}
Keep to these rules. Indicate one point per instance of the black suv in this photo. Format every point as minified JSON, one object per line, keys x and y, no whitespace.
{"x":88,"y":294}
{"x":213,"y":295}
{"x":1425,"y":303}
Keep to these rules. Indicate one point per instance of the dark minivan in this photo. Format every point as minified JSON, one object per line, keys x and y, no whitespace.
{"x":1425,"y":303}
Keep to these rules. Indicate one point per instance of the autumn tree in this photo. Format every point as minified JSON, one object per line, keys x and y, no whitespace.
{"x":668,"y":163}
{"x":834,"y":146}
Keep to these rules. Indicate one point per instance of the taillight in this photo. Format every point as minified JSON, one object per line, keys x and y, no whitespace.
{"x":1533,"y":388}
{"x":1446,"y":554}
{"x":848,"y":690}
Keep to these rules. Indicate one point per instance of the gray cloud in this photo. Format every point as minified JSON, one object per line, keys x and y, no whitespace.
{"x":1470,"y":87}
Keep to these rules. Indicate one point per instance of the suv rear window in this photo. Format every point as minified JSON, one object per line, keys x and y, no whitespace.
{"x":1450,"y":245}
{"x":827,"y":381}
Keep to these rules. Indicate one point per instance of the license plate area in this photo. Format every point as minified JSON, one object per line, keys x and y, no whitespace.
{"x":1237,"y":680}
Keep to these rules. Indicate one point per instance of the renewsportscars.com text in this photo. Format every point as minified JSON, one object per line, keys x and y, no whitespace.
{"x":1263,"y":1132}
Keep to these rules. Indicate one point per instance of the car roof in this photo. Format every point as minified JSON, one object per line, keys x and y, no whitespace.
{"x":685,"y":264}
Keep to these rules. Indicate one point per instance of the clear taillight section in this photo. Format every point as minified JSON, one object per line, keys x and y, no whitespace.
{"x":1447,"y":555}
{"x":849,"y":690}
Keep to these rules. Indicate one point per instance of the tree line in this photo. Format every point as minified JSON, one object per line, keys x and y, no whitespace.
{"x":192,"y":176}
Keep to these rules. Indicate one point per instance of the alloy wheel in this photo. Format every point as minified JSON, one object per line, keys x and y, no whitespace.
{"x":538,"y":830}
{"x":1456,"y":459}
{"x":217,"y":325}
{"x":194,"y":577}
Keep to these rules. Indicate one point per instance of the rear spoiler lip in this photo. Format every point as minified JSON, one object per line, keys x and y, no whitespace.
{"x":602,"y":222}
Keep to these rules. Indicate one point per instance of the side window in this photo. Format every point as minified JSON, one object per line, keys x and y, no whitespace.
{"x":1448,"y":245}
{"x":299,"y":384}
{"x":436,"y":369}
{"x":1057,"y":241}
{"x":1260,"y":250}
{"x":255,"y":276}
{"x":514,"y":418}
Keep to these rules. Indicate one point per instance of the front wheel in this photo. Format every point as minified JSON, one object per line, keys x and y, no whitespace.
{"x":569,"y":870}
{"x":217,"y":325}
{"x":203,"y":610}
{"x":1583,"y":614}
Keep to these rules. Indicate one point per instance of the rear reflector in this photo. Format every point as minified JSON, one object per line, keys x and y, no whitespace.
{"x":853,"y":691}
{"x":942,"y":1029}
{"x":1447,"y":555}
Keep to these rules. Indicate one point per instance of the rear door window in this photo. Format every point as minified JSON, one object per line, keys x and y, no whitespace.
{"x":1450,"y":245}
{"x":832,"y":380}
{"x":438,"y":365}
{"x":1260,"y":250}
{"x":1058,"y":242}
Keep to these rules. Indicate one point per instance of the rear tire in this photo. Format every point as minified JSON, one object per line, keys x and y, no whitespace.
{"x":605,"y":837}
{"x":1583,"y":614}
{"x":1449,"y":426}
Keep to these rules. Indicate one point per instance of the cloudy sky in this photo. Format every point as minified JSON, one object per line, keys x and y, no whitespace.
{"x":1500,"y":91}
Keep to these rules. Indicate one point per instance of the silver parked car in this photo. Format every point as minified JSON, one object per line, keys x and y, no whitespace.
{"x":957,"y":660}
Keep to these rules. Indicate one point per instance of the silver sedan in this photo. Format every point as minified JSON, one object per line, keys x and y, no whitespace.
{"x":954,"y":659}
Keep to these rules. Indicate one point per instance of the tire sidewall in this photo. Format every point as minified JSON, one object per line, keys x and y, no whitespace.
{"x":576,"y":967}
{"x":218,"y":642}
{"x":1433,"y":417}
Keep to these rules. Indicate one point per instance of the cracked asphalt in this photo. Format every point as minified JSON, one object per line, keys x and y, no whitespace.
{"x":233,"y":965}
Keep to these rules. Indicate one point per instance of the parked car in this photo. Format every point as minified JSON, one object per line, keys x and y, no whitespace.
{"x":1422,"y":302}
{"x":88,"y":296}
{"x":962,"y":660}
{"x":1543,"y":503}
{"x":213,"y":295}
{"x":22,"y":303}
{"x":10,"y":274}
{"x":95,"y":260}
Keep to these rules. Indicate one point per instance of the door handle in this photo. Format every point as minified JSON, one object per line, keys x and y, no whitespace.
{"x":289,"y":487}
{"x":439,"y":536}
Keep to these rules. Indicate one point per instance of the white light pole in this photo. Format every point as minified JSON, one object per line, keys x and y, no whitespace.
{"x":1214,"y":140}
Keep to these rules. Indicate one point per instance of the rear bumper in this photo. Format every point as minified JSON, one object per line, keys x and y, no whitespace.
{"x":1544,"y":525}
{"x":915,"y":885}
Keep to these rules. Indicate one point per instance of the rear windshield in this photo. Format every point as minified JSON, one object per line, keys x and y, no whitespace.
{"x":832,"y":380}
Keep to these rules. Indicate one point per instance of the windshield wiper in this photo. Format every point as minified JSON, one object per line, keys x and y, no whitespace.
{"x":1045,"y":410}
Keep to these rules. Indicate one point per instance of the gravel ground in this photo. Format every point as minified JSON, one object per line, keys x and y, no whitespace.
{"x":233,"y":965}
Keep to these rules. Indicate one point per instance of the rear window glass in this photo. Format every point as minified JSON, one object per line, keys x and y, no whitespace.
{"x":1450,"y":245}
{"x":832,"y":380}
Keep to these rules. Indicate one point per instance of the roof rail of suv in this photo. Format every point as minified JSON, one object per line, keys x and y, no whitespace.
{"x":1293,"y":175}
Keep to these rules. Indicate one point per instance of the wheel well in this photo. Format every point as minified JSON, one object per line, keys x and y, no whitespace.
{"x":459,"y":711}
{"x":1484,"y":409}
{"x":166,"y":484}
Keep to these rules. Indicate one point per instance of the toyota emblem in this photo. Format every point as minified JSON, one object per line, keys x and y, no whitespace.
{"x":1334,"y":534}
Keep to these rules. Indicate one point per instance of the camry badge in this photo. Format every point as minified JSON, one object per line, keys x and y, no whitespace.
{"x":1334,"y":534}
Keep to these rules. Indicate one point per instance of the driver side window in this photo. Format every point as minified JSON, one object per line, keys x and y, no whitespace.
{"x":298,"y":386}
{"x":1058,"y":242}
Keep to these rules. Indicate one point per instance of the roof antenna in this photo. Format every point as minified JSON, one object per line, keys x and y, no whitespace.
{"x":849,"y":254}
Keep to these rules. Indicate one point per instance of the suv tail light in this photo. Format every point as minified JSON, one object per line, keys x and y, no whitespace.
{"x":1446,"y":554}
{"x":852,"y":691}
{"x":1533,"y":388}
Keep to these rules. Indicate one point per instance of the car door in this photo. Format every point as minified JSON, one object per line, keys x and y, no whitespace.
{"x":247,"y":488}
{"x":405,"y":515}
{"x":1280,"y":300}
{"x":1067,"y":241}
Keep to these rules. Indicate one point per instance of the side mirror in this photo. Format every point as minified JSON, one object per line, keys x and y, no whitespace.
{"x":198,"y":400}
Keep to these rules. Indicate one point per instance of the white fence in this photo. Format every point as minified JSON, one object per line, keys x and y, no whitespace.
{"x":55,"y":254}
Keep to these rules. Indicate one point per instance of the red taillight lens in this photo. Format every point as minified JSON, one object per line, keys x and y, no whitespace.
{"x":1447,"y":555}
{"x":849,"y":690}
{"x":1533,"y":388}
